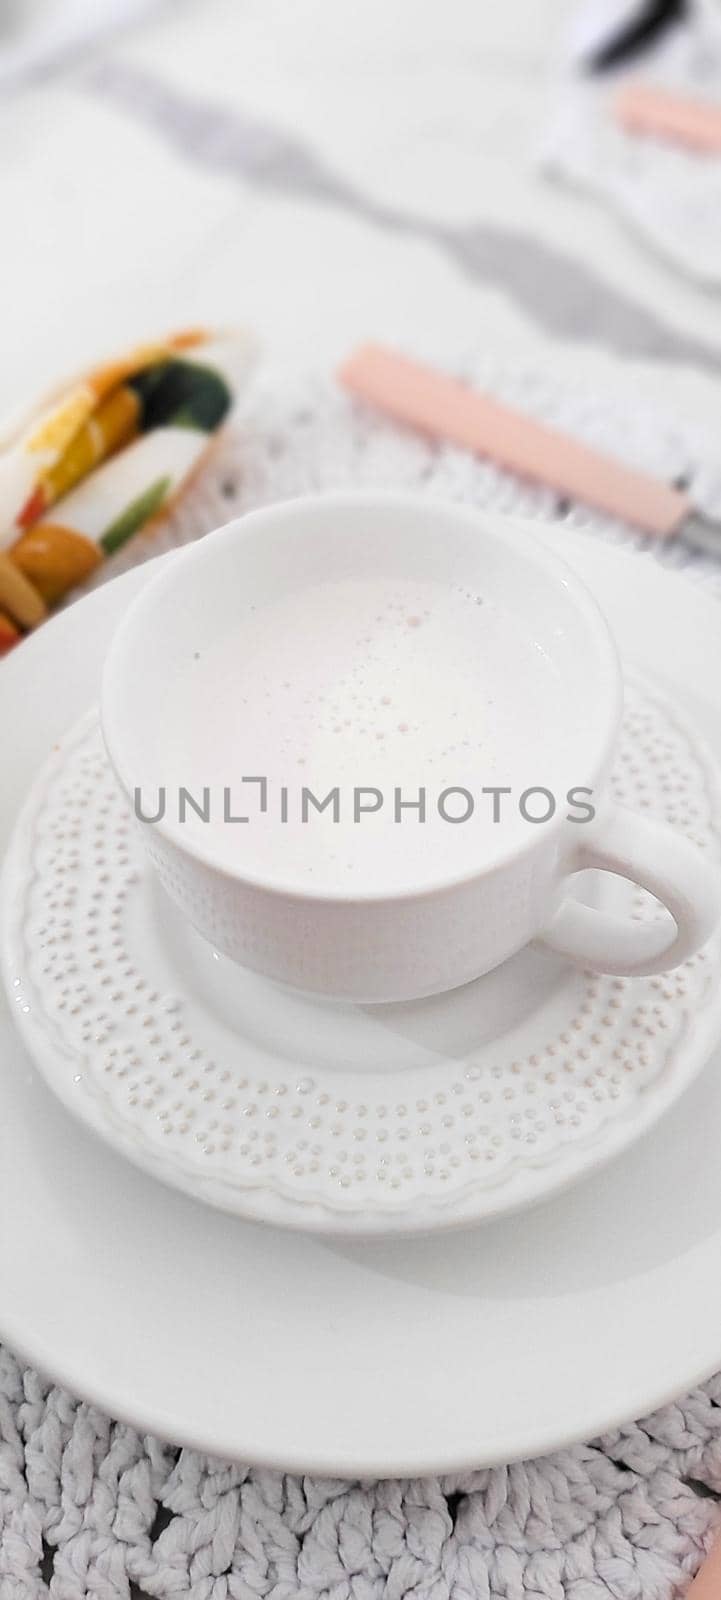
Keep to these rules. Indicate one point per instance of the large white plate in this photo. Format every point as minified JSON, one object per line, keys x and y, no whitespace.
{"x":396,"y":1356}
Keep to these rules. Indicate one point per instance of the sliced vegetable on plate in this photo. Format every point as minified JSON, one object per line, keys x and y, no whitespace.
{"x":104,"y":458}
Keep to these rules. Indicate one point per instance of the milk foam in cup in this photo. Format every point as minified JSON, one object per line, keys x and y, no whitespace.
{"x":357,"y":723}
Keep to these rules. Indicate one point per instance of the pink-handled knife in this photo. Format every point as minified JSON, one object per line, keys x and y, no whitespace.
{"x":446,"y":409}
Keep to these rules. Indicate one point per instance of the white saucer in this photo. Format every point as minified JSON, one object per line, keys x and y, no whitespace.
{"x":376,"y":1358}
{"x":344,"y":1119}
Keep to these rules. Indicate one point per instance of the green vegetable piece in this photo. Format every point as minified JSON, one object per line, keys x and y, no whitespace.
{"x":182,"y":394}
{"x":138,"y":512}
{"x":145,"y":384}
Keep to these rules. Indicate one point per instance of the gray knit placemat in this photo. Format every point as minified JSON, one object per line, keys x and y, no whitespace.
{"x":90,"y":1509}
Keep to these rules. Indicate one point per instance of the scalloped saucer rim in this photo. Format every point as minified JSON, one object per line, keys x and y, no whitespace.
{"x":526,"y":1178}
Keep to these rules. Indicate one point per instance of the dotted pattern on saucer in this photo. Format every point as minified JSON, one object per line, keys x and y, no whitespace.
{"x":324,"y":1137}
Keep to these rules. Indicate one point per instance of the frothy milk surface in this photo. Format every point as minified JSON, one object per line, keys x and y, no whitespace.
{"x":373,"y":684}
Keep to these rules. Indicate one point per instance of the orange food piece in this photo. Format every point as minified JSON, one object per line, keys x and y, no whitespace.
{"x":187,"y":338}
{"x":9,"y":634}
{"x":112,"y":373}
{"x":56,"y":430}
{"x":111,"y":426}
{"x":33,"y":508}
{"x":55,"y":558}
{"x":19,"y":597}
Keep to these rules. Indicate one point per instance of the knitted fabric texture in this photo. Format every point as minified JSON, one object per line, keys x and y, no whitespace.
{"x":90,"y":1509}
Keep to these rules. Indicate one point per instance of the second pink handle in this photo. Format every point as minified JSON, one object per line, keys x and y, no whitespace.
{"x":645,"y":109}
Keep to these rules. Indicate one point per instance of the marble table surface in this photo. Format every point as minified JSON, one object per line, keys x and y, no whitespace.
{"x":325,"y":173}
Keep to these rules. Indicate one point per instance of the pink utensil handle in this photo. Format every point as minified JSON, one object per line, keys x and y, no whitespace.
{"x":707,"y":1583}
{"x":448,"y":410}
{"x":644,"y":109}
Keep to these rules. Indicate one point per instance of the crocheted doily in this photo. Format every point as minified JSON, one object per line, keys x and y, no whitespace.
{"x":90,"y":1510}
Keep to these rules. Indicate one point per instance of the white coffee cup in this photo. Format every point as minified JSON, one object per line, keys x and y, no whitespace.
{"x":316,"y":600}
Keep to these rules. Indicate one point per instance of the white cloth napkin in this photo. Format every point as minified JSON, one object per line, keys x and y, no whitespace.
{"x":669,"y":195}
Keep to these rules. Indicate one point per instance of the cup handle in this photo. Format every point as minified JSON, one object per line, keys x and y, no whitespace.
{"x":657,"y":858}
